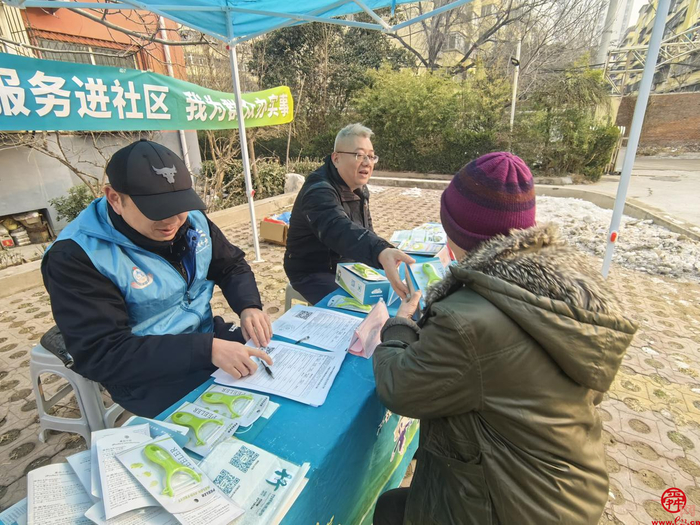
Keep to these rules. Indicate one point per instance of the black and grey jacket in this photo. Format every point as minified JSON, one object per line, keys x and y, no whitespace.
{"x":329,"y":224}
{"x":91,"y":313}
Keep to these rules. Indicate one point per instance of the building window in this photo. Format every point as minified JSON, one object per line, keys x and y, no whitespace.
{"x":63,"y":52}
{"x":487,"y":10}
{"x":194,"y":59}
{"x":455,"y":42}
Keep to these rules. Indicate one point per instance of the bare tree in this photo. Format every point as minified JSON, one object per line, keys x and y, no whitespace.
{"x":554,"y":33}
{"x":460,"y":30}
{"x":85,"y":154}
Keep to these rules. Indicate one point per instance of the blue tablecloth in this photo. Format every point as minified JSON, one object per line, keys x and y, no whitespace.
{"x":356,"y":448}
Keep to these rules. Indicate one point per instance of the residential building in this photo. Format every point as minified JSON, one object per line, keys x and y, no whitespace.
{"x":679,"y":63}
{"x":30,"y":178}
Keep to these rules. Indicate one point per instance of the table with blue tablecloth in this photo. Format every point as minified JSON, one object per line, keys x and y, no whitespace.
{"x":356,"y":448}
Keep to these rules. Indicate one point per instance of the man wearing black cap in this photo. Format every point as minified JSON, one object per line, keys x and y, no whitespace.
{"x":131,"y":279}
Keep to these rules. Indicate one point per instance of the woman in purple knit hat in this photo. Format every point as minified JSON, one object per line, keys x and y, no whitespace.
{"x":505,"y":368}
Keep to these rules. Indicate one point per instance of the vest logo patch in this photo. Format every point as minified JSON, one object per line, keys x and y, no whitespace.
{"x":202,"y":240}
{"x":141,"y":280}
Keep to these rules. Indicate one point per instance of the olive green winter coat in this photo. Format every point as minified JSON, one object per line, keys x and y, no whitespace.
{"x":505,"y":370}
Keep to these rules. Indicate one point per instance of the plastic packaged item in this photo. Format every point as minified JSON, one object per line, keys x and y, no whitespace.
{"x":29,"y":218}
{"x":178,"y":484}
{"x":206,"y":428}
{"x":10,"y":223}
{"x":242,"y":406}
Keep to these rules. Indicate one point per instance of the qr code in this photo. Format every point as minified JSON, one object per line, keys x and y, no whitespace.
{"x":244,"y":459}
{"x":304,"y":314}
{"x":226,"y":482}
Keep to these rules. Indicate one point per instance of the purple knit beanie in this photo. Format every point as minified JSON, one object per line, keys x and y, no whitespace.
{"x":489,"y":196}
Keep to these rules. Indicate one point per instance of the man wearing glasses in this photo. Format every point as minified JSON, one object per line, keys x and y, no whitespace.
{"x":331,"y":222}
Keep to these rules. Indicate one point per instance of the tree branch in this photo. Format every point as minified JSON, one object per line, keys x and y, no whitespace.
{"x":148,"y":38}
{"x":76,"y":52}
{"x":410,"y":48}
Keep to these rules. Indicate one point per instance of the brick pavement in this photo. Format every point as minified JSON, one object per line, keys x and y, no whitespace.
{"x":651,"y":414}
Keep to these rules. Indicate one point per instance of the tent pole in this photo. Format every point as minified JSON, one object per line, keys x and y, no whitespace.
{"x":244,"y":142}
{"x":636,"y":129}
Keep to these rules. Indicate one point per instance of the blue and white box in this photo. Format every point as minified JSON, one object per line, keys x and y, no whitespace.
{"x":363,"y":282}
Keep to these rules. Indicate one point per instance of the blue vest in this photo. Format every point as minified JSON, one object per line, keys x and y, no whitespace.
{"x":158,"y":298}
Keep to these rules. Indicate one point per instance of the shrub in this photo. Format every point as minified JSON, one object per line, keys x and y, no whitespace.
{"x":70,"y":206}
{"x":567,"y":142}
{"x":268,"y":183}
{"x":304,"y":166}
{"x":430,"y":123}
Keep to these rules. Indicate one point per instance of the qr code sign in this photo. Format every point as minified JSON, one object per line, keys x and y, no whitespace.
{"x":304,"y":314}
{"x":244,"y":459}
{"x":226,"y":482}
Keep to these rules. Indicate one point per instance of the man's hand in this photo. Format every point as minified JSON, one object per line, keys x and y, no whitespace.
{"x":390,"y":258}
{"x":235,"y":358}
{"x":256,"y":325}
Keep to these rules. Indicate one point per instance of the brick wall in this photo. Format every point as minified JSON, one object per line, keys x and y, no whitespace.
{"x":670,"y":120}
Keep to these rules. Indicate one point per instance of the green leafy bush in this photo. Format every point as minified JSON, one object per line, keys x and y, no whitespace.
{"x":70,"y":206}
{"x":305,"y":166}
{"x":557,"y":132}
{"x":430,"y":123}
{"x":268,"y":183}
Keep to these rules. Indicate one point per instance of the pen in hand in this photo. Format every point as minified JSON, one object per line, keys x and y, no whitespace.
{"x":265,"y":366}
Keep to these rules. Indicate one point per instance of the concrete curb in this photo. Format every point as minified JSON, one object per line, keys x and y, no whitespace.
{"x":405,"y":182}
{"x":17,"y":279}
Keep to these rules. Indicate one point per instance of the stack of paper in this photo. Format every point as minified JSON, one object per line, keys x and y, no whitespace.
{"x":139,"y":474}
{"x":318,"y":327}
{"x":427,"y":239}
{"x":299,"y":373}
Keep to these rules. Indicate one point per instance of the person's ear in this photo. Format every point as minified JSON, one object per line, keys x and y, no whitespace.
{"x":334,"y":159}
{"x":114,"y":199}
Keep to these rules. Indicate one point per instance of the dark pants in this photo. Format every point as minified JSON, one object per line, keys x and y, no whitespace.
{"x":149,"y":400}
{"x":314,"y":286}
{"x":391,"y":507}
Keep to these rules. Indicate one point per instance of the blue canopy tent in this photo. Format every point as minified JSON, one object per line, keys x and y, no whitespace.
{"x":235,"y":21}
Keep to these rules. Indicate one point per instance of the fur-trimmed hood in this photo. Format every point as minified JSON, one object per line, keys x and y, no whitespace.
{"x":546,"y":287}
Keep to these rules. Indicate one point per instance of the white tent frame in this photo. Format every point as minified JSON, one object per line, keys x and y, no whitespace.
{"x":380,"y":25}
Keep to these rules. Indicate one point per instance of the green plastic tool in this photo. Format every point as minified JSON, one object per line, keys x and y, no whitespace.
{"x":217,"y":398}
{"x":163,"y":459}
{"x":193,"y":422}
{"x":365,"y":271}
{"x":431,"y":274}
{"x":354,"y":303}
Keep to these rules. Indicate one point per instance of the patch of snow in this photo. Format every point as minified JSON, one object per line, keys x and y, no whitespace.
{"x":641,"y":245}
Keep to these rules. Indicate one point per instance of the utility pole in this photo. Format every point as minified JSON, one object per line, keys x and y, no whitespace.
{"x":607,"y":33}
{"x":516,"y":73}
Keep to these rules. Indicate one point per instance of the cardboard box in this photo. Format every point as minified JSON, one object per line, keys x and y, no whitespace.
{"x":363,"y":282}
{"x":274,"y":232}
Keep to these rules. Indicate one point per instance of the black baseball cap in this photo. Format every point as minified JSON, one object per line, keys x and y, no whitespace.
{"x":155,"y":178}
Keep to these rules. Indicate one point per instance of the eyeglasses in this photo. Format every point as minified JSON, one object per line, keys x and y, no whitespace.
{"x":361,"y":157}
